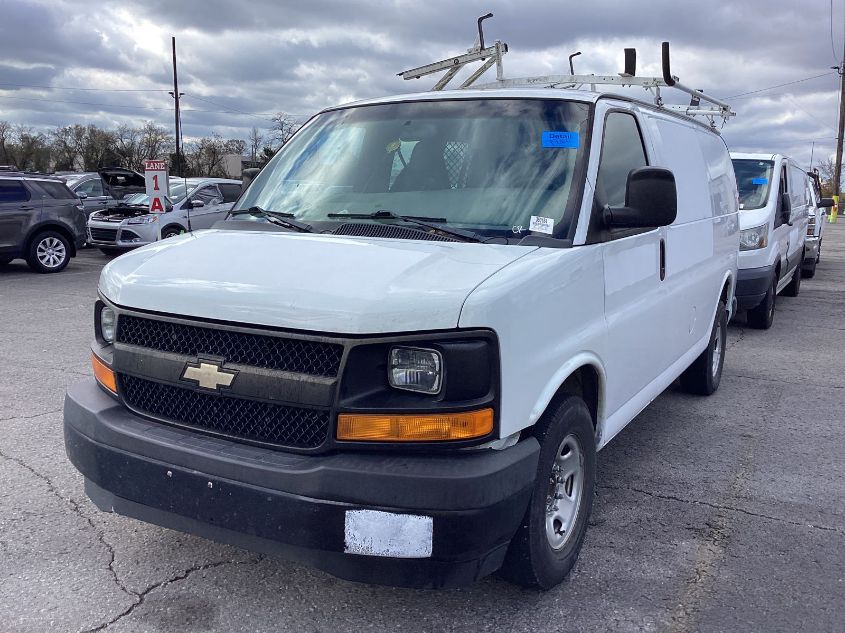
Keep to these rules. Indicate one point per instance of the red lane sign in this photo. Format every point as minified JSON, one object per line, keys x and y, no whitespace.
{"x":157,"y":184}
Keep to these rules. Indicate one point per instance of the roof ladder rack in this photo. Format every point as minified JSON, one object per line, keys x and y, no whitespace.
{"x":489,"y":55}
{"x":700,"y":105}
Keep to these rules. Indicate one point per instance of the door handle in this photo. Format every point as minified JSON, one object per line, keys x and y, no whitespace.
{"x":662,"y":259}
{"x":27,"y":207}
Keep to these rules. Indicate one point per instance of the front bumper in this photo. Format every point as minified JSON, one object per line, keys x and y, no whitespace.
{"x":122,"y":236}
{"x":752,"y":285}
{"x":298,"y":506}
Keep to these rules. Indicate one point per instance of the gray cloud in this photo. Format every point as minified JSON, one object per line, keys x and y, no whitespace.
{"x":265,"y":56}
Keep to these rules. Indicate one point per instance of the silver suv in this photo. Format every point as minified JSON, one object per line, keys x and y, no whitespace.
{"x":41,"y":220}
{"x":194,"y":203}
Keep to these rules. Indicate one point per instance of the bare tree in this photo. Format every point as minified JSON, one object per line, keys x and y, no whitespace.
{"x":28,"y":149}
{"x":254,"y":141}
{"x":127,"y":145}
{"x":827,"y":169}
{"x":284,"y":126}
{"x":155,"y":141}
{"x":5,"y":138}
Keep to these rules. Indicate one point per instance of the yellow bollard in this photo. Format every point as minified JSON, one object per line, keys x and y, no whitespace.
{"x":834,"y":210}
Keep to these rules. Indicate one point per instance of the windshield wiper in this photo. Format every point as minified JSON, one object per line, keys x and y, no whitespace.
{"x":436,"y":224}
{"x":276,"y":217}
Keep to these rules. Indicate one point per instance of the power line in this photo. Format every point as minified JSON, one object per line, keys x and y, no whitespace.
{"x":89,"y":89}
{"x":788,"y":83}
{"x":252,"y":114}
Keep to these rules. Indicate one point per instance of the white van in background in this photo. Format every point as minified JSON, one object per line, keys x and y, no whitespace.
{"x":774,"y":200}
{"x":817,"y":218}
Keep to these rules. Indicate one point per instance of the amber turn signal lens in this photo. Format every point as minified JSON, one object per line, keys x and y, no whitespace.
{"x":414,"y":428}
{"x":103,"y":373}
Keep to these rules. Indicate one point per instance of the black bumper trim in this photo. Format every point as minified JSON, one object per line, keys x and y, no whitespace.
{"x":229,"y":500}
{"x":752,"y":285}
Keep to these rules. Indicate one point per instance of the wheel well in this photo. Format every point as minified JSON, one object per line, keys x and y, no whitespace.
{"x":726,"y":291}
{"x":58,"y":228}
{"x":585,"y":383}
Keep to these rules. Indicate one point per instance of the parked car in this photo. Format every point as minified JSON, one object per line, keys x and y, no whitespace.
{"x":130,"y":224}
{"x":815,"y":225}
{"x":41,"y":221}
{"x":774,"y":200}
{"x":399,"y":367}
{"x":91,"y":189}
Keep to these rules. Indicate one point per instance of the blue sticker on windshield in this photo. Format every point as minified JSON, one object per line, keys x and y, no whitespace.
{"x":560,"y":139}
{"x":759,"y":181}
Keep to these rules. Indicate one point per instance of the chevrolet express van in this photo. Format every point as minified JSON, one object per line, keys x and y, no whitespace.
{"x":397,"y":359}
{"x":774,"y":200}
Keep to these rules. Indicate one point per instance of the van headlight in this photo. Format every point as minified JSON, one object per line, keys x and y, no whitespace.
{"x":415,"y":369}
{"x":143,"y":219}
{"x":107,"y":323}
{"x":754,"y":238}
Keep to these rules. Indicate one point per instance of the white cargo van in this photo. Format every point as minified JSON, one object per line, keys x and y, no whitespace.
{"x":433,"y":310}
{"x":774,"y":198}
{"x":816,"y":219}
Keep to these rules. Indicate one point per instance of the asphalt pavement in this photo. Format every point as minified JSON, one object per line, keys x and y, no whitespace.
{"x":724,"y":513}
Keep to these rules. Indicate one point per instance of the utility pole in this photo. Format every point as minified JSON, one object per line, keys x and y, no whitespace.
{"x":176,"y":94}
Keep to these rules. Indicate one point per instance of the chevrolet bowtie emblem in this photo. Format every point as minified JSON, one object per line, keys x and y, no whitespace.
{"x":208,"y":375}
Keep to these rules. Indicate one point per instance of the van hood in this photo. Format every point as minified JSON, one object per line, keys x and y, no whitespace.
{"x":321,"y":283}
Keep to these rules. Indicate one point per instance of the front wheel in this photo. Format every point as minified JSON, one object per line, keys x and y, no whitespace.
{"x":549,"y":540}
{"x":809,"y":270}
{"x":762,"y":316}
{"x":705,"y":373}
{"x":171,"y":231}
{"x":49,"y":252}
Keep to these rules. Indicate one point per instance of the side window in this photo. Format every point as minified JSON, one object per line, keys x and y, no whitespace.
{"x":13,"y":191}
{"x":782,"y":189}
{"x":622,"y":150}
{"x":91,"y":187}
{"x":207,"y":194}
{"x":230,"y":191}
{"x":56,"y":190}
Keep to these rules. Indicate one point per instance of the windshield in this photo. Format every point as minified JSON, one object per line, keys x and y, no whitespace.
{"x":486,"y":165}
{"x":753,"y":179}
{"x":177,"y":194}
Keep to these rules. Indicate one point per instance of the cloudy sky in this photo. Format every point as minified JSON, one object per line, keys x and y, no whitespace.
{"x":239,"y":62}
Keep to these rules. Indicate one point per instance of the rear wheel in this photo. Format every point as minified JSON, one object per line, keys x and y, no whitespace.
{"x":49,"y":252}
{"x":794,"y":286}
{"x":763,"y":315}
{"x":705,"y":373}
{"x":809,"y":270}
{"x":549,"y":540}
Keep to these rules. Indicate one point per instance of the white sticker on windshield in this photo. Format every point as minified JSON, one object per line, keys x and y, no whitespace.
{"x":541,"y":224}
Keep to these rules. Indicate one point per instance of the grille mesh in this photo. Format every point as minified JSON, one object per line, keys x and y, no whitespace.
{"x":103,"y":235}
{"x":269,"y":352}
{"x":281,"y":425}
{"x":391,"y":231}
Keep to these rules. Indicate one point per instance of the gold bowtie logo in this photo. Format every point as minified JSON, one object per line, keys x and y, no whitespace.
{"x":208,"y":375}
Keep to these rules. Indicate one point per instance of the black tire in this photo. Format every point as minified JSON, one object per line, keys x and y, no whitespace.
{"x":819,"y":253}
{"x":808,"y":271}
{"x":531,"y":559}
{"x":762,"y":317}
{"x":5,"y":260}
{"x":171,"y":231}
{"x":49,"y":252}
{"x":705,"y":373}
{"x":794,"y":287}
{"x":110,"y":252}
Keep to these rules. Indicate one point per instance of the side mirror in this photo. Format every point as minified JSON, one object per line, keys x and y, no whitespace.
{"x":786,"y":208}
{"x":195,"y":204}
{"x":825,"y":203}
{"x":81,"y":195}
{"x":651,"y":200}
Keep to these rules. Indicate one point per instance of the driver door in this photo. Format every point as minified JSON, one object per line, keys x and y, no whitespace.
{"x":212,"y":200}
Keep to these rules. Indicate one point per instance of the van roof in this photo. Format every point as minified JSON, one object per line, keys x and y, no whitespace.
{"x":563,"y":94}
{"x":755,"y":156}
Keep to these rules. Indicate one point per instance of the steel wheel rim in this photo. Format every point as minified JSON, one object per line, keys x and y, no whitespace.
{"x":566,"y":486}
{"x":717,"y":350}
{"x":51,"y":252}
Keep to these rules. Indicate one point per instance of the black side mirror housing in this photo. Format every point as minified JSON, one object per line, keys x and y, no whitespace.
{"x":825,"y":203}
{"x":651,"y":200}
{"x":786,"y":208}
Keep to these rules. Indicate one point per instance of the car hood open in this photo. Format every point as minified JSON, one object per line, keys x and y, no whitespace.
{"x":320,"y":283}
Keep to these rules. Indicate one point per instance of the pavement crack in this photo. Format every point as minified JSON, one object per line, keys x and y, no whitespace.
{"x":716,"y":506}
{"x":29,"y":417}
{"x":75,"y":507}
{"x":181,"y":575}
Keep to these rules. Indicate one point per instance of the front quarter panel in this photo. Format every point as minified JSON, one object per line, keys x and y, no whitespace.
{"x":547,"y":309}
